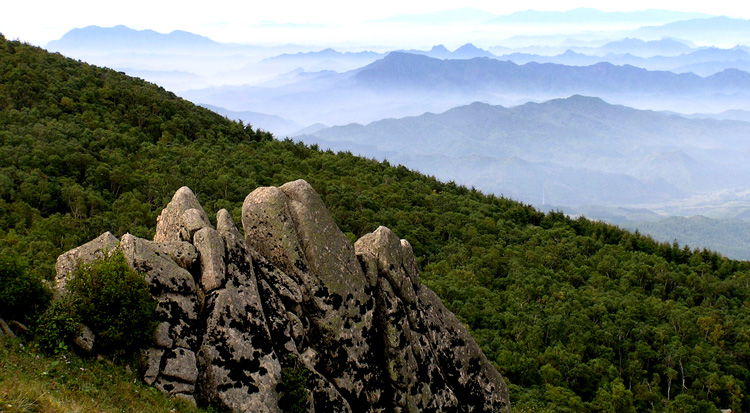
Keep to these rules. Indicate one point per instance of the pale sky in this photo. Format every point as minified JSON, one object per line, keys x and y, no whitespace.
{"x":40,"y":21}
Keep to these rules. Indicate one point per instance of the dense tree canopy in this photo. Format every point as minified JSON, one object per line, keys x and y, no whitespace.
{"x":577,"y":315}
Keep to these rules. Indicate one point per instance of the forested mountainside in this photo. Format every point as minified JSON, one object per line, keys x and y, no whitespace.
{"x":576,"y":315}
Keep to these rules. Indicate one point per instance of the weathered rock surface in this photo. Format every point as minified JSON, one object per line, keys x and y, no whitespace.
{"x":93,"y":250}
{"x":433,"y":362}
{"x":85,"y":339}
{"x":294,"y":293}
{"x":210,"y":247}
{"x":182,"y":218}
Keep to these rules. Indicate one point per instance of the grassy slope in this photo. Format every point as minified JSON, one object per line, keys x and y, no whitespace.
{"x":31,"y":381}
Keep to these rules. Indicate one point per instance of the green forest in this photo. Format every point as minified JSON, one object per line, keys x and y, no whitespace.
{"x":577,"y":315}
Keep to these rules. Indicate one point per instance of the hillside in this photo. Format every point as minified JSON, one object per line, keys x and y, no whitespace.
{"x":31,"y":381}
{"x":576,"y":315}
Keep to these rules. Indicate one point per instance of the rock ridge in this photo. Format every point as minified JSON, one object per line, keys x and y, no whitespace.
{"x":235,"y":311}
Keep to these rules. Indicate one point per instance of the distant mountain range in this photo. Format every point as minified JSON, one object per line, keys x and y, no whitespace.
{"x":179,"y":60}
{"x":467,"y":51}
{"x":730,"y":236}
{"x":124,"y":38}
{"x":440,"y":18}
{"x":401,"y":70}
{"x":404,"y":84}
{"x":326,"y":59}
{"x":703,"y":62}
{"x":573,"y":151}
{"x":590,"y":16}
{"x":570,"y":17}
{"x":716,"y":30}
{"x":741,"y":115}
{"x":663,"y":47}
{"x":270,"y":123}
{"x":665,"y":54}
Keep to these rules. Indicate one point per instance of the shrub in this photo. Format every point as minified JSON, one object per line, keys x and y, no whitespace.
{"x":293,"y":387}
{"x":24,"y":296}
{"x":57,"y":327}
{"x":112,"y":300}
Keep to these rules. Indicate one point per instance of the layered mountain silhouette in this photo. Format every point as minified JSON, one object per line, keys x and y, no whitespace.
{"x":703,"y":62}
{"x":403,"y":84}
{"x":720,"y":29}
{"x":404,"y":69}
{"x":124,"y":38}
{"x":574,"y":151}
{"x":589,"y":16}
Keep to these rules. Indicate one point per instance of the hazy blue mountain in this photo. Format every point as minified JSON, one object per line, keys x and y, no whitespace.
{"x":310,"y":129}
{"x":404,"y":84}
{"x":569,"y":58}
{"x":467,"y":51}
{"x":717,"y":54}
{"x":730,"y":236}
{"x":703,"y":62}
{"x":123,"y":38}
{"x":168,"y":79}
{"x":443,"y":17}
{"x":327,"y":59}
{"x":709,"y":68}
{"x":418,"y":72}
{"x":741,"y":115}
{"x":280,"y":127}
{"x":593,"y":16}
{"x":662,"y":47}
{"x":328,"y":53}
{"x":622,"y":216}
{"x":716,"y":30}
{"x":573,"y":151}
{"x":163,"y":58}
{"x":436,"y":52}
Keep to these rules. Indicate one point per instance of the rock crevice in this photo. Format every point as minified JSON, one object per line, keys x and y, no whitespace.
{"x":235,"y":311}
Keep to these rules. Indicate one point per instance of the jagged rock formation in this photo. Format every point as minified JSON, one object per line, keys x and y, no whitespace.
{"x":294,"y":292}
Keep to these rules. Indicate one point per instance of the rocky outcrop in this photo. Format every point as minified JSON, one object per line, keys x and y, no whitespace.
{"x":234,"y":312}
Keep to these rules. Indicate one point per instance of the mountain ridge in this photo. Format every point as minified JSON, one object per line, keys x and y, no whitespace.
{"x":123,"y":37}
{"x":567,"y":134}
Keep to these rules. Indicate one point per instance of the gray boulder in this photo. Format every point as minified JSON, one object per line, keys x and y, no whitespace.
{"x":181,"y":364}
{"x":239,"y":369}
{"x":162,"y":273}
{"x":96,"y":249}
{"x":181,"y":218}
{"x":293,"y":229}
{"x":85,"y":339}
{"x":424,"y":342}
{"x":210,"y":247}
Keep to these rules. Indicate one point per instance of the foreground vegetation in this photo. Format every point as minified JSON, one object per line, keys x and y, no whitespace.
{"x":33,"y":381}
{"x":577,"y":315}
